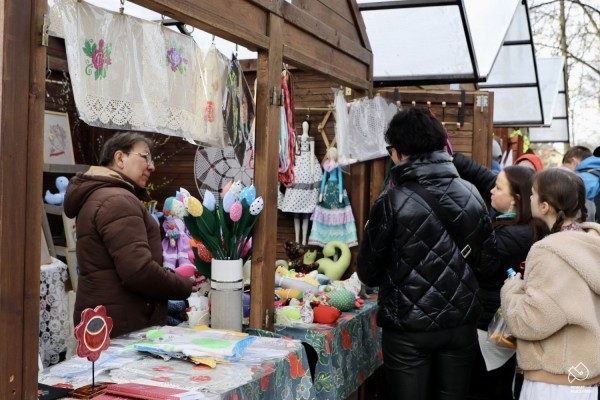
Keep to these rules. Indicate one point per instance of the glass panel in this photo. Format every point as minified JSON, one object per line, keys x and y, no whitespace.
{"x":517,"y":106}
{"x":411,"y":42}
{"x":557,"y":132}
{"x":489,"y":21}
{"x":514,"y":65}
{"x":519,"y":28}
{"x":550,"y":73}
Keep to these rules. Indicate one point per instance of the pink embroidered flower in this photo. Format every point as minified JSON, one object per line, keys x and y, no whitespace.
{"x":99,"y":55}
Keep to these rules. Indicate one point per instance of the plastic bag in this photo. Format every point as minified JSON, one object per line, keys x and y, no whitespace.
{"x":499,"y":333}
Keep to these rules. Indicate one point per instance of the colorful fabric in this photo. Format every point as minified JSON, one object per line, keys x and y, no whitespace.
{"x":332,"y":219}
{"x":349,"y":350}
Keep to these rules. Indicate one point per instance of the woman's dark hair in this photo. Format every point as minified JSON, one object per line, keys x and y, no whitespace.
{"x":520,"y":180}
{"x":123,"y":141}
{"x":415,"y":131}
{"x":564,"y":191}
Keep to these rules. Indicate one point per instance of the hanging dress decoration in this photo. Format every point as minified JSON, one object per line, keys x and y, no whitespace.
{"x":287,"y":137}
{"x":128,"y":73}
{"x":302,"y":198}
{"x":238,"y":109}
{"x":333,"y":218}
{"x":368,"y":120}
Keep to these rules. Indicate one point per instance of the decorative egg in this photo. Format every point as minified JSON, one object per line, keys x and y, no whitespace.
{"x":194,"y":206}
{"x":248,"y":194}
{"x":228,"y":201}
{"x":209,"y":200}
{"x":236,"y":189}
{"x":235,"y":212}
{"x":203,"y":253}
{"x":257,"y":206}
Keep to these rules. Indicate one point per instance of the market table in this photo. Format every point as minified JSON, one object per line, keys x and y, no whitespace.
{"x":348,"y":351}
{"x":271,"y":368}
{"x":53,"y":311}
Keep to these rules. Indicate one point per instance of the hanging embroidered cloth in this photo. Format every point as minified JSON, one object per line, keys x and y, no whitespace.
{"x":238,"y":109}
{"x":128,"y":73}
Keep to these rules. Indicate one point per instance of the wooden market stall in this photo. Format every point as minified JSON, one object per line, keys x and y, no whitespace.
{"x":279,"y":30}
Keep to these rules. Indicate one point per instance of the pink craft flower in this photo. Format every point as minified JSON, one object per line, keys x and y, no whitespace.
{"x":235,"y":212}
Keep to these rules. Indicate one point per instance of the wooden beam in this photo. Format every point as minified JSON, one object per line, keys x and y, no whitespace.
{"x":483,"y":130}
{"x":21,"y":116}
{"x":265,"y":178}
{"x":322,"y":65}
{"x":222,"y":18}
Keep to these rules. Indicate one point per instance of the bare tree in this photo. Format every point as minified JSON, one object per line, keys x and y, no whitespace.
{"x":571,"y":28}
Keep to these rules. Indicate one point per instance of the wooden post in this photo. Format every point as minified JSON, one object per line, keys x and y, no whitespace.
{"x":21,"y":115}
{"x":264,"y":239}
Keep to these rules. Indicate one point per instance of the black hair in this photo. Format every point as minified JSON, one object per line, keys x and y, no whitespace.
{"x":416,"y":131}
{"x":123,"y":141}
{"x":564,"y":191}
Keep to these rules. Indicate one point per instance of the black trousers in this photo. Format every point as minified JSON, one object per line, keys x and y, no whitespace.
{"x":429,"y":365}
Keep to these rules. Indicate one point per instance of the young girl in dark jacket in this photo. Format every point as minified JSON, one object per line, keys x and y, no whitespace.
{"x":509,"y":193}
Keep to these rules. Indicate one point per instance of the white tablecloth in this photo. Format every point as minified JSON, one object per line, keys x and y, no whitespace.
{"x":53,"y":311}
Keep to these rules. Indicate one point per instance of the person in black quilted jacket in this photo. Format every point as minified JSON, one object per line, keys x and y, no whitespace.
{"x":428,"y":306}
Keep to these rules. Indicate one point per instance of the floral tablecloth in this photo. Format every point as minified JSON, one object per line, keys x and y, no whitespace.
{"x":349,"y":350}
{"x":271,"y":368}
{"x":53,"y":311}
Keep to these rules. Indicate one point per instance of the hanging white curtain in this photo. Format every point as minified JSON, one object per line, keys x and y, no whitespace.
{"x":128,"y":73}
{"x":368,"y":121}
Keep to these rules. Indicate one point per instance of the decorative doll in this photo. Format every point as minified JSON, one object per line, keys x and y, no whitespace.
{"x":301,"y":199}
{"x":333,"y":219}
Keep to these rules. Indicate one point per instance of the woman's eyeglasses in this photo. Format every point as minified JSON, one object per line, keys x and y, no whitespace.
{"x":146,"y":156}
{"x":389,"y":149}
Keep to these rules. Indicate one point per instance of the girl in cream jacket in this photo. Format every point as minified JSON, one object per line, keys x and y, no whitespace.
{"x":555,"y":310}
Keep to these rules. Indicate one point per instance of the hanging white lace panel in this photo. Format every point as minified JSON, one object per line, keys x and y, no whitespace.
{"x":368,"y":121}
{"x":342,"y":128}
{"x":128,"y":73}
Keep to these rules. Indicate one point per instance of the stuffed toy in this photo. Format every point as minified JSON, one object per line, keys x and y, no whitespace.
{"x":57,"y":199}
{"x":323,"y":314}
{"x":334,"y":269}
{"x":296,"y":254}
{"x":291,"y":280}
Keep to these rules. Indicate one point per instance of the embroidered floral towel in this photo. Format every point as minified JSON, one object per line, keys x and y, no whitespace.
{"x":128,"y":73}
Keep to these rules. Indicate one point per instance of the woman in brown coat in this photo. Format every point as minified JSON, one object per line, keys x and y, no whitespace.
{"x":119,"y":252}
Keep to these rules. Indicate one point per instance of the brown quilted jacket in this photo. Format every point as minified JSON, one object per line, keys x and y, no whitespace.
{"x":119,"y":252}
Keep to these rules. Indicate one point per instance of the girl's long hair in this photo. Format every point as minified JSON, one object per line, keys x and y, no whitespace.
{"x":520,"y":180}
{"x":565,"y":192}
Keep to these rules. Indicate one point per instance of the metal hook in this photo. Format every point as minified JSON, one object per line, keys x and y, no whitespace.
{"x":236,"y":50}
{"x":213,"y":39}
{"x":122,"y":8}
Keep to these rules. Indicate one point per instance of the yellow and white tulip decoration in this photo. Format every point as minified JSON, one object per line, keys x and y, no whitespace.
{"x":222,"y":232}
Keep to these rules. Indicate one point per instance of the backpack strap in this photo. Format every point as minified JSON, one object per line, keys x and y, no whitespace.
{"x":593,"y":172}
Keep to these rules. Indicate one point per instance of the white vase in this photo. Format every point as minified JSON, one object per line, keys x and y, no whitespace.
{"x":226,"y":298}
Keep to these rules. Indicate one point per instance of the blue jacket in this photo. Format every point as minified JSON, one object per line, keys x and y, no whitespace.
{"x":591,"y":181}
